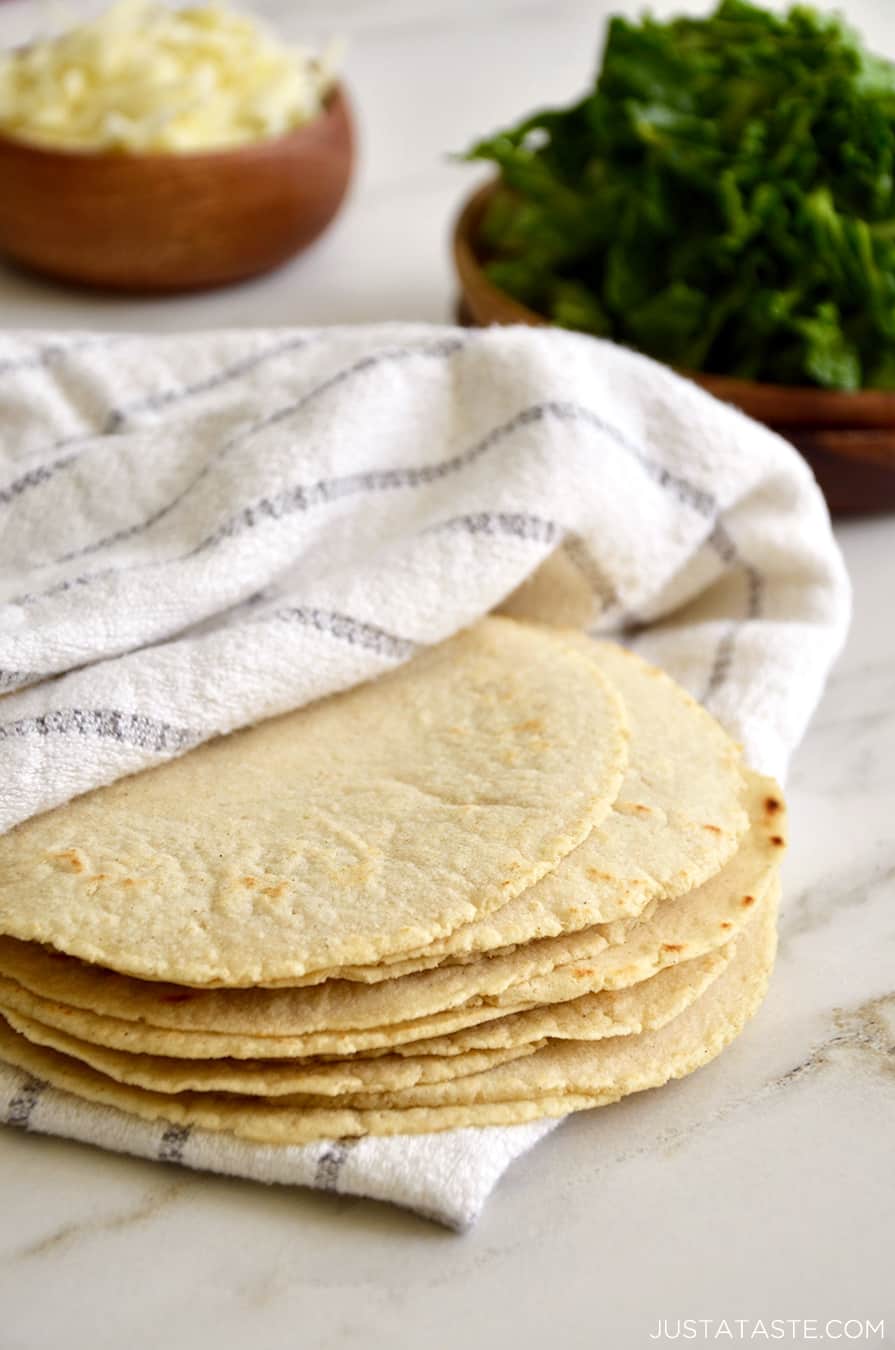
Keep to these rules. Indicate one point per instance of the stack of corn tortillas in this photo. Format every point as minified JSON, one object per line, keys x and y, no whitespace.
{"x":522,"y":875}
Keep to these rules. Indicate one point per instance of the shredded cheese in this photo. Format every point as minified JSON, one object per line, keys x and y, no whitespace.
{"x":145,"y":78}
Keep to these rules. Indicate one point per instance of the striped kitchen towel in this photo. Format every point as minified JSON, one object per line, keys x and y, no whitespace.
{"x":200,"y":531}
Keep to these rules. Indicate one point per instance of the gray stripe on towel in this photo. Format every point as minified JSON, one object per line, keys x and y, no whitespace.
{"x":21,"y":1106}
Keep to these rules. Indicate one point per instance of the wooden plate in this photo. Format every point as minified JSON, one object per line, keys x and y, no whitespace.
{"x":847,"y":438}
{"x":172,"y":222}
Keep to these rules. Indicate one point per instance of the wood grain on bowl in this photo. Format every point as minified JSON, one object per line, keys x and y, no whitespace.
{"x":847,"y":438}
{"x":174,"y":222}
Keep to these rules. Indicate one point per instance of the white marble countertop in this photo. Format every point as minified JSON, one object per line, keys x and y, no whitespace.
{"x":760,"y":1188}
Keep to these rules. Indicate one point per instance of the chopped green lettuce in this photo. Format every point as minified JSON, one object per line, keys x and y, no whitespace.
{"x":723,"y":199}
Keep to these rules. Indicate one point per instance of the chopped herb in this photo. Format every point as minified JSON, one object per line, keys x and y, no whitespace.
{"x":723,"y":199}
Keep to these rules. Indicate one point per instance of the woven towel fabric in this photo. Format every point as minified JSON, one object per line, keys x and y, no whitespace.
{"x":200,"y":531}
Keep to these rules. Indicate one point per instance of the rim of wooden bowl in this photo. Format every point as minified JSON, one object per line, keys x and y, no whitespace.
{"x":778,"y":405}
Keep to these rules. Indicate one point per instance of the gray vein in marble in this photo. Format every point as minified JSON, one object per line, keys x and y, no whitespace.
{"x":148,"y":1207}
{"x":822,"y":899}
{"x":868,"y":1029}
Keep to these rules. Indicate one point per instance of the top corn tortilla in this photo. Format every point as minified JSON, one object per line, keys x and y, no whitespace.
{"x":590,"y":1074}
{"x":340,"y":1017}
{"x":678,"y":817}
{"x":367,"y":824}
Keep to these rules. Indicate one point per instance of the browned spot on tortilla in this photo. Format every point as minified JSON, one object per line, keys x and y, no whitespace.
{"x":777,"y":840}
{"x":581,"y":972}
{"x":248,"y":881}
{"x":275,"y":891}
{"x":594,"y":874}
{"x":726,"y":925}
{"x":99,"y":876}
{"x":771,"y":804}
{"x":533,"y":724}
{"x":748,"y":900}
{"x":715,"y":829}
{"x":672,"y":946}
{"x":71,"y":856}
{"x":128,"y":881}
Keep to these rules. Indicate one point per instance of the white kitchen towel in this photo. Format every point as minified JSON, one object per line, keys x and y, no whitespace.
{"x":200,"y":531}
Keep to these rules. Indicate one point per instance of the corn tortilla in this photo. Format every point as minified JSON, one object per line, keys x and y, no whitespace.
{"x":264,"y":1078}
{"x":595,"y":1073}
{"x":610,"y":1012}
{"x":678,"y":817}
{"x":341,"y":1018}
{"x":368,"y":824}
{"x":560,"y":1066}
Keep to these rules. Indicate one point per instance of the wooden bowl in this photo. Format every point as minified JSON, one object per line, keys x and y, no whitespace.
{"x":174,"y":222}
{"x":847,"y":438}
